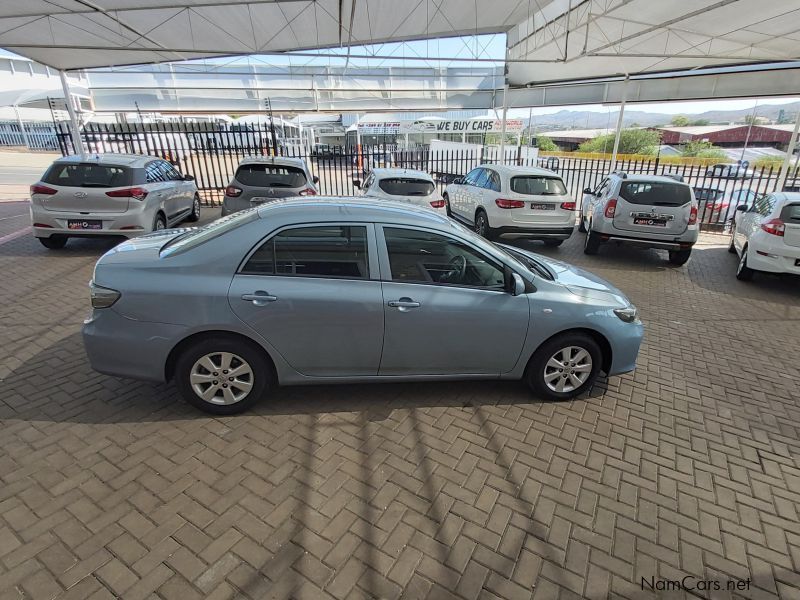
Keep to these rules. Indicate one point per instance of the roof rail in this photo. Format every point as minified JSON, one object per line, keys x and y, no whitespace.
{"x":676,"y":176}
{"x":621,"y":174}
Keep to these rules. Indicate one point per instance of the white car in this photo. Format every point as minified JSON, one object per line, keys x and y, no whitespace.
{"x":110,"y":195}
{"x":404,"y":185}
{"x":766,"y":236}
{"x":519,"y":202}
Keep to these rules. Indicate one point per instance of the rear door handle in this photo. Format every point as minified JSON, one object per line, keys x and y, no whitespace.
{"x":259,"y":298}
{"x":404,"y":303}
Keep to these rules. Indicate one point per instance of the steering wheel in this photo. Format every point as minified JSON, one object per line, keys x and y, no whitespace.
{"x":458,"y":269}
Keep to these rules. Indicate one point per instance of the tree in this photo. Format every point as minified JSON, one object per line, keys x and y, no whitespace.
{"x":699,"y":122}
{"x":546,"y":144}
{"x":631,"y":141}
{"x":680,"y":121}
{"x":702,"y":149}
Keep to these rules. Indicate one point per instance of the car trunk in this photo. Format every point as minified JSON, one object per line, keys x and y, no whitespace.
{"x":651,"y":207}
{"x":263,"y":182}
{"x":84,"y":187}
{"x":790,"y":215}
{"x":543,"y":197}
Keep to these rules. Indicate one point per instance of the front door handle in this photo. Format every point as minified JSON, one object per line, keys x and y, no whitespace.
{"x":404,"y":303}
{"x":259,"y":298}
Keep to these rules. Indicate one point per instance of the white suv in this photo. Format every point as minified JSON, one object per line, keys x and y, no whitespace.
{"x":500,"y":200}
{"x":651,"y":211}
{"x":766,"y":235}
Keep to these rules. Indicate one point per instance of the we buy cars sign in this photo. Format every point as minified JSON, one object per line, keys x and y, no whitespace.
{"x":461,"y":126}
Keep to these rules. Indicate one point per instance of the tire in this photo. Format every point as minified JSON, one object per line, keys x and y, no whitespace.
{"x":582,"y":225}
{"x":732,"y":247}
{"x":159,"y":223}
{"x":543,"y":377}
{"x":592,"y":242}
{"x":743,"y":272}
{"x":195,"y":214}
{"x":482,"y":224}
{"x":55,"y":242}
{"x":679,"y":257}
{"x":553,"y":243}
{"x":221,"y":352}
{"x":446,"y":199}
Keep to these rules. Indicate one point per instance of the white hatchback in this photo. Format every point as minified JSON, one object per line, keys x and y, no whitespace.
{"x":404,"y":185}
{"x":518,"y":202}
{"x":766,"y":235}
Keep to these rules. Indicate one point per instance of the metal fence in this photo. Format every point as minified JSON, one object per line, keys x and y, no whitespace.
{"x":34,"y":135}
{"x":211,"y":154}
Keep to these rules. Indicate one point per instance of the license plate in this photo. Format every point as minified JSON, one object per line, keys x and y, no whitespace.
{"x":542,"y":206}
{"x":651,"y":222}
{"x":87,"y":224}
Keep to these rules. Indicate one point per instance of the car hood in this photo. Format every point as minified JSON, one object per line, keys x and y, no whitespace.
{"x":579,"y":281}
{"x":142,"y":248}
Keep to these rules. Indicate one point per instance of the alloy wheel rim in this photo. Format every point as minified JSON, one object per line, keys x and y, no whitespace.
{"x":568,"y":369}
{"x":160,"y":225}
{"x":222,"y":378}
{"x":742,"y":261}
{"x":480,"y":225}
{"x":196,"y":205}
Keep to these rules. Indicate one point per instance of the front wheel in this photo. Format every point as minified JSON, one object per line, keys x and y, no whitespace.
{"x":446,"y":199}
{"x":564,"y":366}
{"x":222,"y":376}
{"x":582,"y":225}
{"x":592,"y":242}
{"x":482,"y":225}
{"x":55,"y":242}
{"x":159,"y":223}
{"x":743,"y":272}
{"x":732,"y":246}
{"x":679,"y":257}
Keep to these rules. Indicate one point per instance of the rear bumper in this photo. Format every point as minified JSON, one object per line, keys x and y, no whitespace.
{"x":773,"y":258}
{"x":533,"y":231}
{"x":647,"y":243}
{"x":56,"y":223}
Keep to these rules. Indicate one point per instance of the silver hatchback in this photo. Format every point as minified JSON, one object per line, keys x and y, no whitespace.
{"x":260,"y":179}
{"x":110,"y":195}
{"x":333,"y":290}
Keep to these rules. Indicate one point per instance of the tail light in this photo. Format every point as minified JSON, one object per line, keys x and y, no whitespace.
{"x":693,"y":215}
{"x":611,"y":208}
{"x":568,"y":205}
{"x":437,"y":203}
{"x":505,"y":203}
{"x":38,"y":188}
{"x":134,"y":192}
{"x":307,"y":192}
{"x":774,"y":227}
{"x":233,"y":192}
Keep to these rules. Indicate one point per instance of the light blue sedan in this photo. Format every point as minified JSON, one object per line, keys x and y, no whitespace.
{"x":329,"y":290}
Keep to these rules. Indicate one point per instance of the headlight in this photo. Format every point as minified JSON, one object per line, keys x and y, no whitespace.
{"x":629,"y":315}
{"x":102,"y":297}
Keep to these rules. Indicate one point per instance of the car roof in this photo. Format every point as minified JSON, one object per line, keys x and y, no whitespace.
{"x":383,"y":173}
{"x":108,"y":158}
{"x":288,"y":161}
{"x":520,"y":170}
{"x":788,"y":196}
{"x":643,"y":177}
{"x":309,"y":209}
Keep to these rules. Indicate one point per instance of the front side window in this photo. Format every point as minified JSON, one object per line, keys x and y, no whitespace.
{"x":764,"y":204}
{"x":264,"y":175}
{"x":537,"y":185}
{"x":406,"y":186}
{"x":423,"y":257}
{"x":318,"y":251}
{"x":472,"y":177}
{"x":170,"y":172}
{"x":154,"y":173}
{"x":492,"y":181}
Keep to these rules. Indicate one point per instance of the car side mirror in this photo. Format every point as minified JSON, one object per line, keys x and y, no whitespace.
{"x":517,"y":284}
{"x":742,"y":207}
{"x":588,"y":191}
{"x":315,"y":179}
{"x":188,"y":177}
{"x":357,"y":183}
{"x":458,"y":180}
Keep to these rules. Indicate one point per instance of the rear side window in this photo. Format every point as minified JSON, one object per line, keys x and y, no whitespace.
{"x":536,"y":185}
{"x":88,"y":175}
{"x":655,"y":193}
{"x":406,"y":186}
{"x":791,"y":212}
{"x":261,"y":175}
{"x":322,"y":251}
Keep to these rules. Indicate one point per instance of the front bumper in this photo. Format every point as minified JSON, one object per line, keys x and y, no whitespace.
{"x":123,"y":347}
{"x":625,"y":346}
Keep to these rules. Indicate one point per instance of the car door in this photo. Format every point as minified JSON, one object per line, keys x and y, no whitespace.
{"x":184,"y":190}
{"x":308,"y":291}
{"x":589,"y":200}
{"x":463,"y":194}
{"x":158,"y":187}
{"x":446,"y":309}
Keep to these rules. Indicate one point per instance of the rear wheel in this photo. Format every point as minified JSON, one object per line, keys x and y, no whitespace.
{"x":553,"y":243}
{"x":195,"y":214}
{"x":54,"y":242}
{"x":743,"y":272}
{"x":592,"y":242}
{"x":679,"y":257}
{"x":222,"y":376}
{"x":564,"y":366}
{"x":159,"y":223}
{"x":446,"y":199}
{"x":482,"y":224}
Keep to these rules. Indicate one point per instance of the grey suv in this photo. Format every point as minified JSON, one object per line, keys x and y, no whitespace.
{"x":261,"y":179}
{"x":649,"y":211}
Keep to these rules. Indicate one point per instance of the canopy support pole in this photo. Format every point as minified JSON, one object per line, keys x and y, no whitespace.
{"x":789,"y":154}
{"x":21,"y":126}
{"x":503,"y":126}
{"x":75,"y":130}
{"x":619,"y":125}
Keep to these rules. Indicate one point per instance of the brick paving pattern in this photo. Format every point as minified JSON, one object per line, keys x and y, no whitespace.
{"x":689,"y":466}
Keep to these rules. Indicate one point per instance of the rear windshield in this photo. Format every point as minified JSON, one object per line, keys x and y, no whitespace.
{"x":406,"y":186}
{"x":536,"y":185}
{"x":279,"y":176}
{"x":655,"y":193}
{"x":88,"y":175}
{"x":791,"y":212}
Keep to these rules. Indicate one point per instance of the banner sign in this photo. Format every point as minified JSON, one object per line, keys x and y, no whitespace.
{"x":487,"y":125}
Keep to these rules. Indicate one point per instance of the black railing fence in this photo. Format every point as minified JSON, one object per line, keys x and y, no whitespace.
{"x":211,"y":154}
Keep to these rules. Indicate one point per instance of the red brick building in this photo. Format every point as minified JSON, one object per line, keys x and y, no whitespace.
{"x":775,"y":136}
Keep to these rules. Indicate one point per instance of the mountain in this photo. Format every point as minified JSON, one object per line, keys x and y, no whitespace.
{"x":581,"y":119}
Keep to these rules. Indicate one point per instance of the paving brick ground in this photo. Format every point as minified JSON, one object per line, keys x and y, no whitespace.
{"x":689,"y":466}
